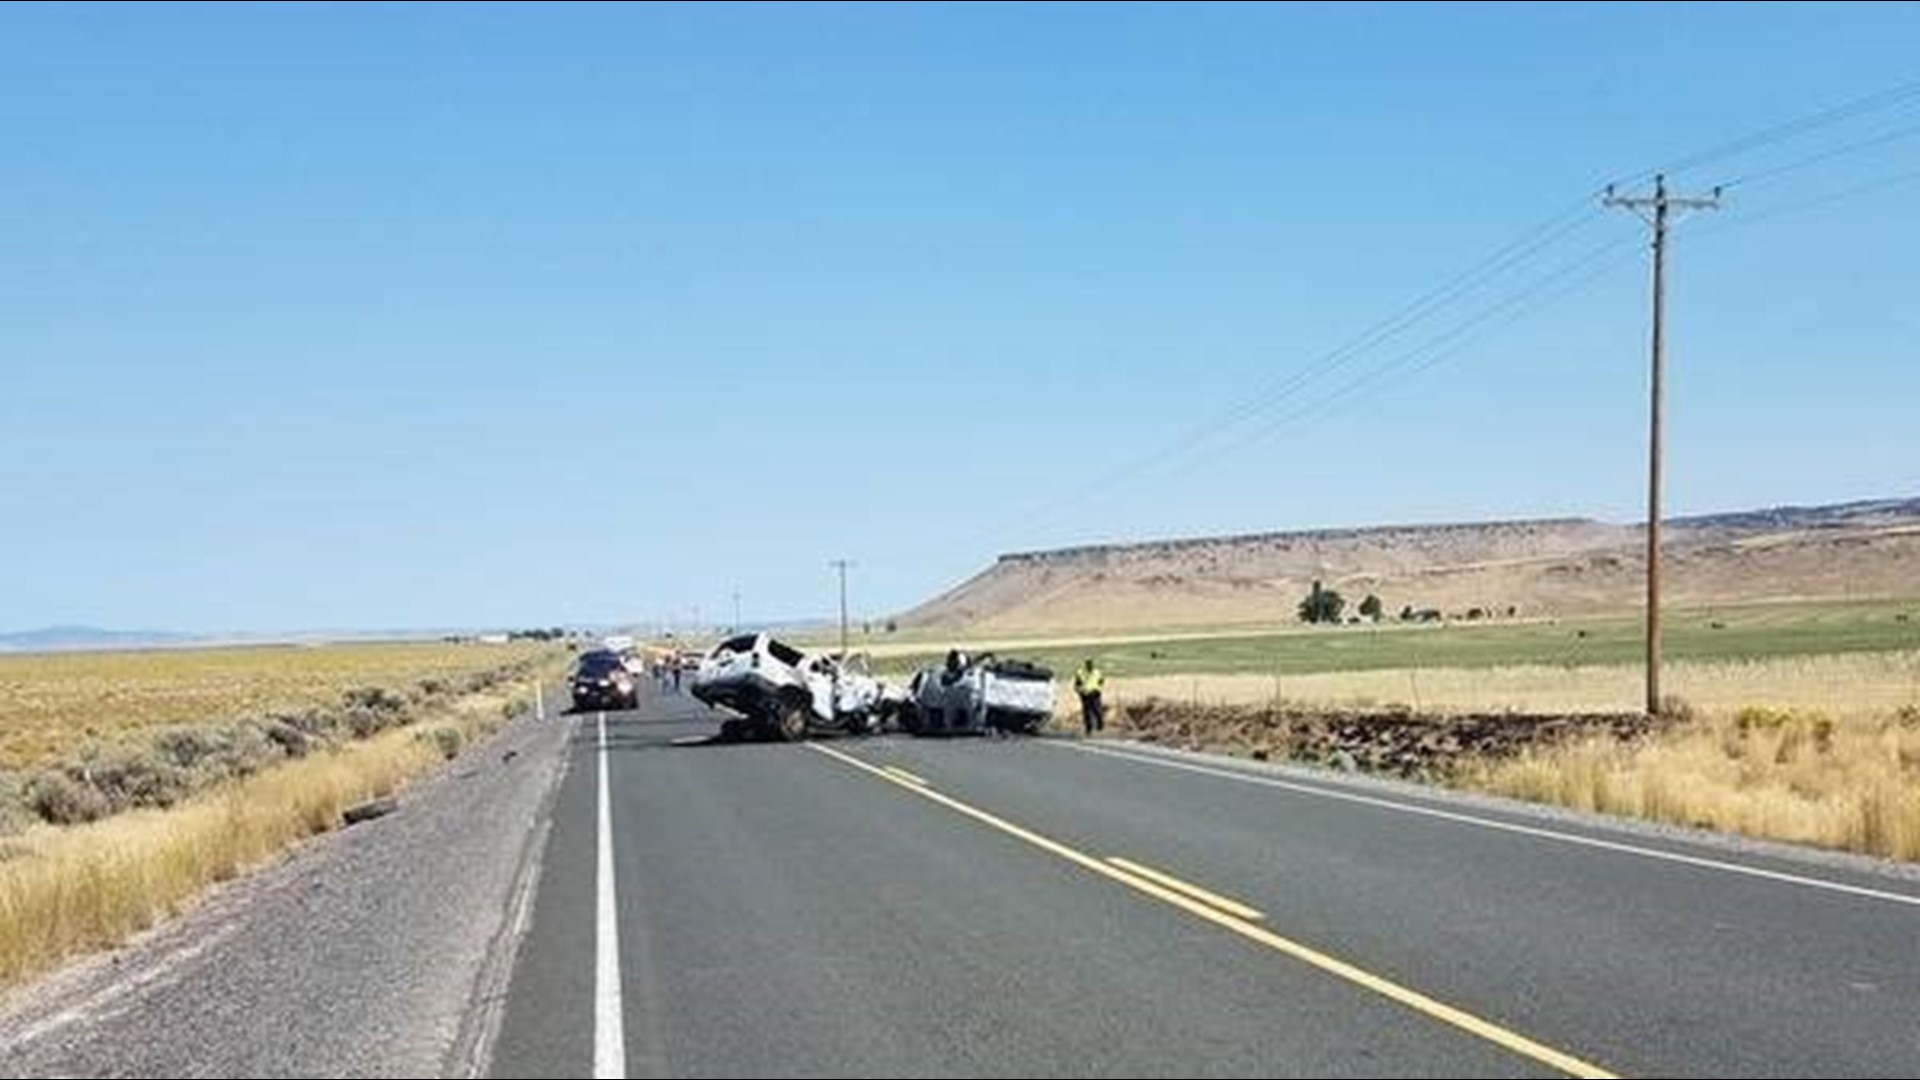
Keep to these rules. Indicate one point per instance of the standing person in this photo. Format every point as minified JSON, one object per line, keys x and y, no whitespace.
{"x":1087,"y":683}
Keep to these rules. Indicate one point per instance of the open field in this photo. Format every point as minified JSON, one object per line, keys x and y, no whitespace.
{"x":1846,"y":685}
{"x":67,"y":890}
{"x":1734,"y":633}
{"x":54,"y":705}
{"x":1801,"y":721}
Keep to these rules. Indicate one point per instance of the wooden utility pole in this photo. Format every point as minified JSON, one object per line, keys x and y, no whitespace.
{"x":1661,"y":204}
{"x":841,"y":565}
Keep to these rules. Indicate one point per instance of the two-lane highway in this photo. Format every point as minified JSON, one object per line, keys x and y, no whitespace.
{"x":1036,"y":907}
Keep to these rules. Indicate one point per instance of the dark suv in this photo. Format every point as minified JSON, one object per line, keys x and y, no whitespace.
{"x":601,"y":681}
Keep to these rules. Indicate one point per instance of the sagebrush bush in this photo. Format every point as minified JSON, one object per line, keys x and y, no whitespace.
{"x":447,"y":740}
{"x":187,"y":747}
{"x":364,"y":723}
{"x":292,"y":741}
{"x":62,"y":800}
{"x":375,"y":698}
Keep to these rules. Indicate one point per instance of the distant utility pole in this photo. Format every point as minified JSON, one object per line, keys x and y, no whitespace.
{"x":736,"y":611}
{"x":841,"y":565}
{"x":1655,"y":210}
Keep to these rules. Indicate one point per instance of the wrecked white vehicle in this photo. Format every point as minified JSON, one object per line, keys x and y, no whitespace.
{"x":979,"y":695}
{"x":783,"y":693}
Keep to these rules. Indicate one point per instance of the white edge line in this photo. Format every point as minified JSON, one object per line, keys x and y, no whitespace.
{"x":1503,"y":826}
{"x":609,"y":1030}
{"x":480,"y":1041}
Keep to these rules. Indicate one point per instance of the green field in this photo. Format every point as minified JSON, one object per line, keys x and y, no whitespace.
{"x":1746,"y":632}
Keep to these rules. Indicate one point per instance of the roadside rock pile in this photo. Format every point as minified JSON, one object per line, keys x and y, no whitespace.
{"x":1394,"y":741}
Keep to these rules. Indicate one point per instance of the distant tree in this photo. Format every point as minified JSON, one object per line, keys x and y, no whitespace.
{"x":892,"y":626}
{"x":1476,"y":614}
{"x":1406,"y":613}
{"x":1370,"y":608}
{"x":1322,"y":605}
{"x":1513,"y":610}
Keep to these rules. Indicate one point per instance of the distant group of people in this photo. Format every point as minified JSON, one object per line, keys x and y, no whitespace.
{"x":666,"y":675}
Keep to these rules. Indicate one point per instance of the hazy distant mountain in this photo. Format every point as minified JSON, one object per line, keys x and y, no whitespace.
{"x":49,"y":638}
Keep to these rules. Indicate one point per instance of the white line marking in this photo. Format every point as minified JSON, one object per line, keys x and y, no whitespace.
{"x":1506,"y":826}
{"x":609,"y":1024}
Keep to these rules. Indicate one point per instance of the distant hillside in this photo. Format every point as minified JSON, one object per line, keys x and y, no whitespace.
{"x":1864,"y":513}
{"x":51,"y":638}
{"x":1553,"y":566}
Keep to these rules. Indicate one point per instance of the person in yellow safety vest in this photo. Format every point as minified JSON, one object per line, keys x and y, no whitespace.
{"x":1087,"y":683}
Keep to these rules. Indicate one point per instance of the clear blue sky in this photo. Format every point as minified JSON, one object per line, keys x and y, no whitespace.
{"x":383,"y":316}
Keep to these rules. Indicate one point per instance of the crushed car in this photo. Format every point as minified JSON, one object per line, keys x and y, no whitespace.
{"x":980,"y":695}
{"x":781,"y":692}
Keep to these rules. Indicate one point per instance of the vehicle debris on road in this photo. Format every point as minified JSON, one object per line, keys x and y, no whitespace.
{"x":980,"y":695}
{"x":784,"y":693}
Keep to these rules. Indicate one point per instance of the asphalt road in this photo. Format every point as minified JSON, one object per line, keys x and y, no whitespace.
{"x":1017,"y":907}
{"x":896,"y":907}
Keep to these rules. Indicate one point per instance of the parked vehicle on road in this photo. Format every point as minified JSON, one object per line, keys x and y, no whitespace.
{"x":781,"y":692}
{"x":601,"y":681}
{"x":979,"y":695}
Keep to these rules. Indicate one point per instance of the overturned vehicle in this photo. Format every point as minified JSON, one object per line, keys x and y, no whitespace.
{"x":783,"y":693}
{"x":979,"y":696}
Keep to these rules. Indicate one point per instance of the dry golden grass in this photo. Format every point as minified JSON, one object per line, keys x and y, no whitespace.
{"x":1799,"y":776}
{"x":53,"y":704}
{"x":1847,"y":686}
{"x":65,"y":891}
{"x":1821,"y":750}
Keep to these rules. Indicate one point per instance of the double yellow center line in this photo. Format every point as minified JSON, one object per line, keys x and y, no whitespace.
{"x":1236,"y":918}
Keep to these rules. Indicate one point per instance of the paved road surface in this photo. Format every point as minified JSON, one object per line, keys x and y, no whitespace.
{"x":894,"y":907}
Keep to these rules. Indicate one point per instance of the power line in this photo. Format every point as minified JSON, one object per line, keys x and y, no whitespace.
{"x":1815,"y":202}
{"x":1277,"y":389}
{"x":1510,"y":311}
{"x":1451,"y":343}
{"x":1776,"y":171}
{"x":1192,"y":443}
{"x":1566,"y":279}
{"x":1892,"y":96}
